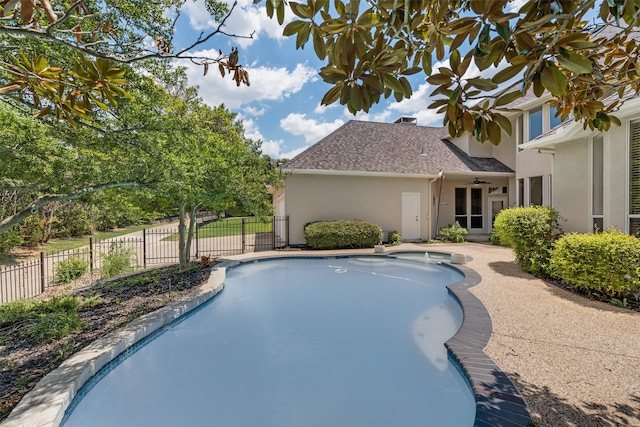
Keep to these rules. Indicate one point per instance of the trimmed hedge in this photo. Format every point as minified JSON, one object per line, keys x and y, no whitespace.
{"x":530,"y":232}
{"x":342,"y":234}
{"x":606,"y":262}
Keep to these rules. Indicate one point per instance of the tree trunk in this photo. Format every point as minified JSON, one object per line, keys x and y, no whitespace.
{"x":182,"y":250}
{"x":187,"y":236}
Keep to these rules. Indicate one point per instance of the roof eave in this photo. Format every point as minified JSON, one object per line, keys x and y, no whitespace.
{"x":394,"y":174}
{"x":356,"y":173}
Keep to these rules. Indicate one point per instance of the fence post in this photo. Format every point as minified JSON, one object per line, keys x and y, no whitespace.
{"x":144,"y":247}
{"x":243,"y":249}
{"x":273,"y":232}
{"x":42,"y":272}
{"x":91,"y":254}
{"x":197,"y":257}
{"x":286,"y":224}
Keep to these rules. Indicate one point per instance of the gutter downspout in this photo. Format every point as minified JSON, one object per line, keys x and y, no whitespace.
{"x":441,"y":178}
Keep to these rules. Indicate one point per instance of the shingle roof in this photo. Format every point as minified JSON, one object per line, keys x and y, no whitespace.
{"x":393,"y":148}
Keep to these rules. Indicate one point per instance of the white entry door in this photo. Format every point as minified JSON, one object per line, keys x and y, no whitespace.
{"x":410,"y":216}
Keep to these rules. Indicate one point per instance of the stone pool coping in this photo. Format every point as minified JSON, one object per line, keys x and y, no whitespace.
{"x":498,"y":401}
{"x":45,"y":405}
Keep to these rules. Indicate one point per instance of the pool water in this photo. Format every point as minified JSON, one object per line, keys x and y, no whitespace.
{"x":299,"y":342}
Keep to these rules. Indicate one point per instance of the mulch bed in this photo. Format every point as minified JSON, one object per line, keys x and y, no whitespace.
{"x":631,"y":302}
{"x":24,"y":362}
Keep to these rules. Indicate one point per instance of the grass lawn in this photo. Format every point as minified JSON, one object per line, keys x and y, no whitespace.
{"x":231,"y":227}
{"x":59,"y":245}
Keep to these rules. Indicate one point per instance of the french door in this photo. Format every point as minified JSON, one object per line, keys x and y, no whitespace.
{"x":469,"y":208}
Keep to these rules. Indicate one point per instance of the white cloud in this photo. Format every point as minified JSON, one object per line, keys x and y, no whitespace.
{"x":515,"y":5}
{"x":252,"y":111}
{"x":246,"y":19}
{"x":266,"y":83}
{"x":381,"y":117}
{"x":310,"y":129}
{"x":273,"y":148}
{"x":321,"y":109}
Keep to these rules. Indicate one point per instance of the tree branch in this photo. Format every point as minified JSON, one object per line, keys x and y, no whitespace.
{"x":45,"y":199}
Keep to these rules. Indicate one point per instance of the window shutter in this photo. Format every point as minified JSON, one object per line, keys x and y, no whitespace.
{"x":597,"y":191}
{"x":634,"y":169}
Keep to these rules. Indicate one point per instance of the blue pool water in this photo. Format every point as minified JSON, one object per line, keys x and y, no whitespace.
{"x":299,"y":342}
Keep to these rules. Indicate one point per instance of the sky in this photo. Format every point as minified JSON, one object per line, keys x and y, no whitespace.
{"x":282,"y":107}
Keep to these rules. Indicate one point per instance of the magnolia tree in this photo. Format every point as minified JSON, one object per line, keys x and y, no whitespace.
{"x":370,"y":47}
{"x":66,"y":58}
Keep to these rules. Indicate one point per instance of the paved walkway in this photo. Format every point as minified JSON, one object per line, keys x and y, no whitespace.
{"x":576,"y":361}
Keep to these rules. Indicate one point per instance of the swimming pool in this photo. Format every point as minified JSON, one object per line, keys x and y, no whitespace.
{"x":299,"y":342}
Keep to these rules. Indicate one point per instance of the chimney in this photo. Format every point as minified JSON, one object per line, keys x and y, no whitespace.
{"x":407,"y":120}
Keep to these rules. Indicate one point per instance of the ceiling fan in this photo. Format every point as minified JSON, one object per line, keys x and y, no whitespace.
{"x":477,"y":182}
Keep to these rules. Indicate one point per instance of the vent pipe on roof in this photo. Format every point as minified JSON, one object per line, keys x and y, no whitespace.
{"x":407,"y":120}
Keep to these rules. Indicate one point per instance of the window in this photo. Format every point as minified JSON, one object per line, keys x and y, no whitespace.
{"x":553,"y":119}
{"x":461,"y":206}
{"x":535,"y":191}
{"x":634,"y":178}
{"x":597,"y":183}
{"x":535,"y":123}
{"x":469,"y":208}
{"x":476,"y":208}
{"x":521,"y":192}
{"x":520,"y":130}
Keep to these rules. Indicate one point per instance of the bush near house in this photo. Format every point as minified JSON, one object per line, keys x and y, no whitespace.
{"x":453,"y":233}
{"x":394,"y":238}
{"x":606,"y":263}
{"x":342,"y":234}
{"x":530,"y":232}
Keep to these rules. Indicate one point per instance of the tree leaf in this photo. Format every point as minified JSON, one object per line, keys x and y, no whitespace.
{"x":576,"y":63}
{"x":553,"y":80}
{"x":301,"y":10}
{"x":483,"y":84}
{"x":454,"y":60}
{"x":503,"y":122}
{"x":293,"y":27}
{"x":507,"y":98}
{"x":332,"y":95}
{"x":508,"y":73}
{"x":439,"y":79}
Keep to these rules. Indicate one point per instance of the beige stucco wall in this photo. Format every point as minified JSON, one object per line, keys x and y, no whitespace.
{"x":373,"y":199}
{"x":616,"y":166}
{"x":530,"y":163}
{"x":572,"y":179}
{"x":571,"y":183}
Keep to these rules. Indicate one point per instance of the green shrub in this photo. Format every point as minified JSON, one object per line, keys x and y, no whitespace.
{"x":607,"y":263}
{"x":494,"y":239}
{"x":31,"y":230}
{"x":72,"y":219}
{"x":453,"y":233}
{"x":119,"y":260}
{"x":530,"y":232}
{"x":394,"y":238}
{"x":43,"y":321}
{"x":69,"y":269}
{"x":9,"y":240}
{"x":342,"y":234}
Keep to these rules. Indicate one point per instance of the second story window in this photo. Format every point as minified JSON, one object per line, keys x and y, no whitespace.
{"x":553,"y":119}
{"x":535,"y":123}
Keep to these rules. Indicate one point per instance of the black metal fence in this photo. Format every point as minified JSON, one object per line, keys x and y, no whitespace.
{"x":153,"y":246}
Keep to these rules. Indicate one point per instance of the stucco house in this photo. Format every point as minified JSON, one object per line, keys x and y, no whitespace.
{"x":596,"y":175}
{"x":404,"y":177}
